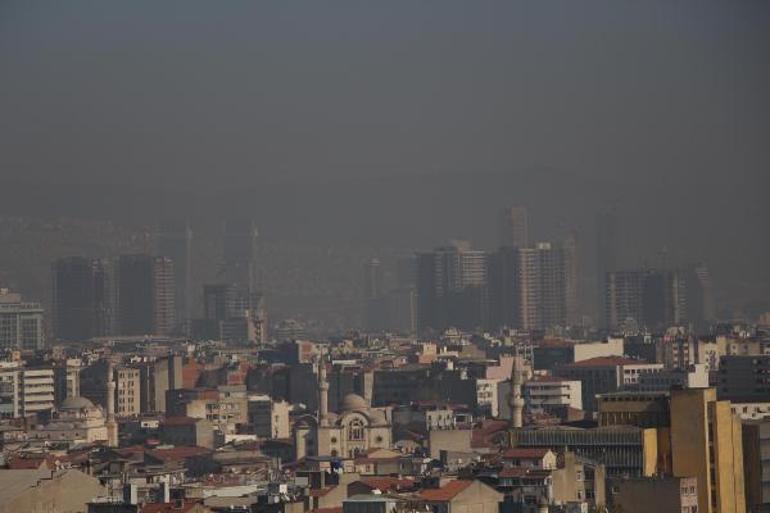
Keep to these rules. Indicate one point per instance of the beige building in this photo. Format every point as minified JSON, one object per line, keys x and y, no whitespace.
{"x":128,"y":391}
{"x":706,"y":444}
{"x":552,"y":392}
{"x":461,"y":496}
{"x":65,"y":491}
{"x":486,"y":396}
{"x":356,"y":429}
{"x":642,"y":409}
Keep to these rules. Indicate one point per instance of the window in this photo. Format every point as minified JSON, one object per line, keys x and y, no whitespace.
{"x":356,"y":430}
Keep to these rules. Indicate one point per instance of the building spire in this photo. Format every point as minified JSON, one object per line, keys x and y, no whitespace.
{"x":112,"y":426}
{"x":515,"y":398}
{"x":323,"y":391}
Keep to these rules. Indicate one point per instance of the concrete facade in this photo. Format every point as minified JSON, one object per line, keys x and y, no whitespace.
{"x":706,"y":444}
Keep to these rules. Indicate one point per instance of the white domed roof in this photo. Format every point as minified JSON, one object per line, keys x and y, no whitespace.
{"x":76,"y":403}
{"x":354,"y":402}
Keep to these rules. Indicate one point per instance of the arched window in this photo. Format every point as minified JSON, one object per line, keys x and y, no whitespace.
{"x":356,"y":430}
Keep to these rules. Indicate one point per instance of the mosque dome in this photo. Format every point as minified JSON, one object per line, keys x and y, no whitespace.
{"x":76,"y":403}
{"x":354,"y":402}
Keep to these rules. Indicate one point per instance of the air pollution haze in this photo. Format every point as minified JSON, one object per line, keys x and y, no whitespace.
{"x":380,"y":128}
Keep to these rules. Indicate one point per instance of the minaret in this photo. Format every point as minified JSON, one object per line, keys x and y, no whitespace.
{"x":515,"y":399}
{"x":112,"y":426}
{"x":323,"y":389}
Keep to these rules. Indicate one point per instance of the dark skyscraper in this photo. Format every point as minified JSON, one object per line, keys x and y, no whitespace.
{"x":231,"y":314}
{"x":145,"y":295}
{"x":240,"y":253}
{"x":657,"y":299}
{"x":607,"y":248}
{"x":514,"y":227}
{"x":451,"y":287}
{"x":174,"y":240}
{"x":82,"y":298}
{"x":374,"y":306}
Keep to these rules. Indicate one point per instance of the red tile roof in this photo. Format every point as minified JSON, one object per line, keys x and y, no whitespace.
{"x":485,"y":434}
{"x":525,"y":452}
{"x":446,"y":493}
{"x":606,"y":361}
{"x":178,"y":453}
{"x":387,"y":484}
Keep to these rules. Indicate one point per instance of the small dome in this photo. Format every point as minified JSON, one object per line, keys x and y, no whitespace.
{"x":76,"y":403}
{"x":354,"y":402}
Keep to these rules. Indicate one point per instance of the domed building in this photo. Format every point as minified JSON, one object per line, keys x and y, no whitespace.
{"x":354,"y":430}
{"x":77,"y":420}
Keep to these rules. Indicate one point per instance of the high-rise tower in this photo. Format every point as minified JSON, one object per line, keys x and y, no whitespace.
{"x":82,"y":298}
{"x":451,"y":287}
{"x":607,"y":249}
{"x":174,"y":240}
{"x":145,"y":295}
{"x":514,"y":227}
{"x":240,"y":248}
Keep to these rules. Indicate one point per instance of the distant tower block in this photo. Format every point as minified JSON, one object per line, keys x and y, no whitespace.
{"x":514,"y":227}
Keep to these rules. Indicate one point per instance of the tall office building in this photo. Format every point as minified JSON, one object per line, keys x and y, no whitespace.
{"x":240,"y":252}
{"x":623,"y":298}
{"x":164,"y":295}
{"x":82,"y":298}
{"x":571,"y":277}
{"x":542,"y":280}
{"x":514,"y":227}
{"x":706,"y":444}
{"x":504,"y":299}
{"x":607,"y":258}
{"x":650,"y":299}
{"x":373,"y":301}
{"x":145,"y":295}
{"x":174,"y":240}
{"x":231,"y":314}
{"x":451,"y":287}
{"x":533,"y":288}
{"x":21,"y":323}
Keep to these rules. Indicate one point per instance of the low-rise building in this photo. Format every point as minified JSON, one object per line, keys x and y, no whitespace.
{"x":269,"y":418}
{"x":605,"y":374}
{"x":642,"y":495}
{"x":187,"y":431}
{"x":61,"y":491}
{"x":549,"y":392}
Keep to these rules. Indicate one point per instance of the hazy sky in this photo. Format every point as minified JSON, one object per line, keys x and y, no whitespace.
{"x":625,"y":90}
{"x":443,"y":111}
